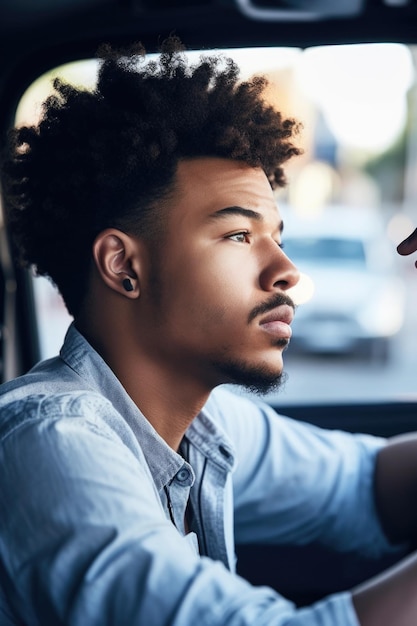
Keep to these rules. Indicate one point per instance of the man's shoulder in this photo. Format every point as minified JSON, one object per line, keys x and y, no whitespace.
{"x":47,"y":378}
{"x":49,"y":391}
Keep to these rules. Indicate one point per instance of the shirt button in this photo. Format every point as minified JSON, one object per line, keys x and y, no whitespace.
{"x":224,"y":452}
{"x":183,"y":475}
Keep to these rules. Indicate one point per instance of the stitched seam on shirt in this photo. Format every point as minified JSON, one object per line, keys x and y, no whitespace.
{"x":37,"y":417}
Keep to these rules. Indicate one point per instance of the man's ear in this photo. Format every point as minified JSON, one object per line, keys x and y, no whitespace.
{"x":117,"y":259}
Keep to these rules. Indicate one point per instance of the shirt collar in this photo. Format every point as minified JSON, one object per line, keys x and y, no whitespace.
{"x":81,"y":357}
{"x":163,"y":462}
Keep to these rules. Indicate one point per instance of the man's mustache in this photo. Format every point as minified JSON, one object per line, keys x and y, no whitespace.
{"x":277,"y":300}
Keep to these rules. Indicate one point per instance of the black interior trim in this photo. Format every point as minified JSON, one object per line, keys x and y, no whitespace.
{"x":384,"y":419}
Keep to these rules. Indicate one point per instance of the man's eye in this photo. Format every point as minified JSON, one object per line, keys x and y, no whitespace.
{"x":242,"y":237}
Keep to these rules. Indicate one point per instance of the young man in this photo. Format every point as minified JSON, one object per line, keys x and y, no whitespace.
{"x":127,"y":473}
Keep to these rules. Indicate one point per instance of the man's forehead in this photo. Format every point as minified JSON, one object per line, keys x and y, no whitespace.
{"x":211,"y":186}
{"x":216,"y":178}
{"x":210,"y":168}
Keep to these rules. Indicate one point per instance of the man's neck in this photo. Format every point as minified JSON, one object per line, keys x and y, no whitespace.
{"x":170,"y":403}
{"x":167,"y":397}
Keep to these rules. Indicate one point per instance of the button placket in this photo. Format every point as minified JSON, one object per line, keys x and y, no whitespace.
{"x":177,"y":493}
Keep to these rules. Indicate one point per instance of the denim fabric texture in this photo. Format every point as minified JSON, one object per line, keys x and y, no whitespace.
{"x":92,"y":504}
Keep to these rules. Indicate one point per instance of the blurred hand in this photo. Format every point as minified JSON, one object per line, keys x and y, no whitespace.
{"x":409,"y":245}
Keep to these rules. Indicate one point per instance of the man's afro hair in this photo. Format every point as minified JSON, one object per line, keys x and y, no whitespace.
{"x":103,"y":158}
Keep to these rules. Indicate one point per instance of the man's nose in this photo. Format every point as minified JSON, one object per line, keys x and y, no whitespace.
{"x":280,"y":272}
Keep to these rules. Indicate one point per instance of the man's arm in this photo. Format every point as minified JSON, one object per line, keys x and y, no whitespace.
{"x":386,"y":600}
{"x":396,"y":488}
{"x":391,"y":598}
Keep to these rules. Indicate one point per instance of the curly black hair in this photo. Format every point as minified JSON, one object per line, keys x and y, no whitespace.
{"x":104,"y":158}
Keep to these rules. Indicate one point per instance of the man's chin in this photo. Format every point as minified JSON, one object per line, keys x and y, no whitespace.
{"x":258,"y":380}
{"x":263,"y":386}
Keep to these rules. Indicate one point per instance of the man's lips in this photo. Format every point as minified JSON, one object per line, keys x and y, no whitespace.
{"x":277,"y":321}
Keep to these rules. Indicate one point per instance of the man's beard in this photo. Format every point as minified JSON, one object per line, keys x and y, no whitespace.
{"x":256,"y":379}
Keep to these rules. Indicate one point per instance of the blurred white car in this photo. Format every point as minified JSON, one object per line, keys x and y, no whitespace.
{"x":350,"y":296}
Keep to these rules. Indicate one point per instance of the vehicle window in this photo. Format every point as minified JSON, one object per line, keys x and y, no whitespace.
{"x":325,"y":250}
{"x":350,"y":199}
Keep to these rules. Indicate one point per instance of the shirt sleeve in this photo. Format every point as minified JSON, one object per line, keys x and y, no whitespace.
{"x":84,"y":540}
{"x":296,"y":483}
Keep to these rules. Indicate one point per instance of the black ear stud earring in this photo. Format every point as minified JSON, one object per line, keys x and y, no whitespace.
{"x":127,"y":284}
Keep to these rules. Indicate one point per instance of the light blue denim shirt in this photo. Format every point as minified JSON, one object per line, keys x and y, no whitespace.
{"x":92,"y":503}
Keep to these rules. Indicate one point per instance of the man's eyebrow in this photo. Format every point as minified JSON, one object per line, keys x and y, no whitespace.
{"x":238,"y":210}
